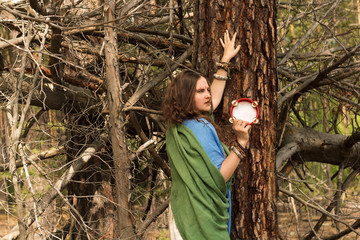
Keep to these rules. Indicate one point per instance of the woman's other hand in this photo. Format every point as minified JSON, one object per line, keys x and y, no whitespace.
{"x":229,"y":47}
{"x":241,"y":129}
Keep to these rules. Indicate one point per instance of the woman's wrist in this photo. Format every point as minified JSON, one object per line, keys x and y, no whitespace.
{"x":225,"y":60}
{"x":239,"y":150}
{"x":242,"y":142}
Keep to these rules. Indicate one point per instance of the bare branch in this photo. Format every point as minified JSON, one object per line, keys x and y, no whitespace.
{"x":59,"y":185}
{"x":137,"y":95}
{"x":305,"y":36}
{"x":41,"y":156}
{"x":344,"y":185}
{"x":285,"y":152}
{"x":314,"y":146}
{"x":352,"y":140}
{"x":152,"y":217}
{"x":310,"y":83}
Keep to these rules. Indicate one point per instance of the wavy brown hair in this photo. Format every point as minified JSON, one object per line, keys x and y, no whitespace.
{"x":179,"y":99}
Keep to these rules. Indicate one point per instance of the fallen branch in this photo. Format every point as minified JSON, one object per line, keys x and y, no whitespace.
{"x":4,"y":43}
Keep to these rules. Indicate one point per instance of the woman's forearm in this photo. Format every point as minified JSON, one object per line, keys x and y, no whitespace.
{"x":229,"y":165}
{"x":217,"y":88}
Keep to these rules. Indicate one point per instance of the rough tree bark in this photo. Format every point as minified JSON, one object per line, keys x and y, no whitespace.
{"x":253,"y":76}
{"x":124,"y":226}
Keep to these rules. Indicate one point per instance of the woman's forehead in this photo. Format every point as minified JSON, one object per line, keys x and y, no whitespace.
{"x":202,"y":83}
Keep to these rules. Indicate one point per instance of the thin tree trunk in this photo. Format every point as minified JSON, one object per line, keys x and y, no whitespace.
{"x":253,"y":76}
{"x":124,"y":227}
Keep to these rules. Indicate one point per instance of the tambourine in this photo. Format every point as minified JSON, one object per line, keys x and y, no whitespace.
{"x":244,"y":109}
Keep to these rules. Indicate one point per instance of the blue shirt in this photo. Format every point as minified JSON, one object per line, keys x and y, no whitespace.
{"x":206,"y":134}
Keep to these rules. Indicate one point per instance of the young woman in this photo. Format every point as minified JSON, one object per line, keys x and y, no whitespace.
{"x":201,"y":165}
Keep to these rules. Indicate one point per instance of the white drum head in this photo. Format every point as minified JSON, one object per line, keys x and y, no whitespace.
{"x":245,"y":109}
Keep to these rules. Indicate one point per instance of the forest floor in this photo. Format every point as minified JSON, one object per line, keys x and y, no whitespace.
{"x":6,"y":223}
{"x":290,"y":227}
{"x":293,"y":224}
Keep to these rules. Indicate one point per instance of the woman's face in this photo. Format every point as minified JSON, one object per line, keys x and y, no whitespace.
{"x":202,"y":97}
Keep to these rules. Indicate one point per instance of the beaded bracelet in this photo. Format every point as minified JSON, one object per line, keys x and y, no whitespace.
{"x":239,"y":145}
{"x":217,"y":76}
{"x":239,"y":150}
{"x":224,"y":65}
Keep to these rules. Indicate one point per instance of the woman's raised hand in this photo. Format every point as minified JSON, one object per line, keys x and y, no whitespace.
{"x":229,"y":47}
{"x":241,"y":129}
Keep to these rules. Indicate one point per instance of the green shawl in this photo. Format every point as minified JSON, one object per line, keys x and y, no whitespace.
{"x":198,"y":192}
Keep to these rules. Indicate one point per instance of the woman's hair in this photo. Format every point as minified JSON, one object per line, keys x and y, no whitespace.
{"x":179,"y":99}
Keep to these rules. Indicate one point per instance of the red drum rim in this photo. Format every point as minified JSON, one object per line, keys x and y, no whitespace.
{"x":254,"y":104}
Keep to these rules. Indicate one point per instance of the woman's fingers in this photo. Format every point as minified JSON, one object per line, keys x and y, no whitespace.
{"x":228,"y":43}
{"x":237,"y":123}
{"x":222,"y":43}
{"x":234,"y":37}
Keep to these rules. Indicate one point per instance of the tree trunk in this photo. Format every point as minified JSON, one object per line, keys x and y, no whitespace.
{"x":253,"y":76}
{"x":124,"y":228}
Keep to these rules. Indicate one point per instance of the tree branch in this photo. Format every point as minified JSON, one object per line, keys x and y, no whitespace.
{"x":307,"y":34}
{"x":350,"y":229}
{"x":314,"y":146}
{"x":153,"y":216}
{"x":138,"y":94}
{"x":323,"y":211}
{"x":41,"y":156}
{"x":311,"y":82}
{"x":285,"y":152}
{"x":333,"y":203}
{"x":56,"y":188}
{"x":157,"y":159}
{"x":352,"y":140}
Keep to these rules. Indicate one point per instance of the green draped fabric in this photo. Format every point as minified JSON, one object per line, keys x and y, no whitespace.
{"x":198,"y":193}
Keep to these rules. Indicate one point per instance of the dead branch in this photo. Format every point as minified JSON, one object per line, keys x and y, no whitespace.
{"x":352,"y":140}
{"x":152,"y":217}
{"x":149,"y":40}
{"x":57,"y":187}
{"x":11,"y":42}
{"x":314,"y":146}
{"x":311,"y":83}
{"x":41,"y":156}
{"x":142,"y":109}
{"x":31,"y":122}
{"x":323,"y":211}
{"x":333,"y":203}
{"x":34,"y":19}
{"x":285,"y":153}
{"x":355,"y":225}
{"x":161,"y":33}
{"x":138,"y":94}
{"x":308,"y":33}
{"x":50,"y":96}
{"x":157,"y":159}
